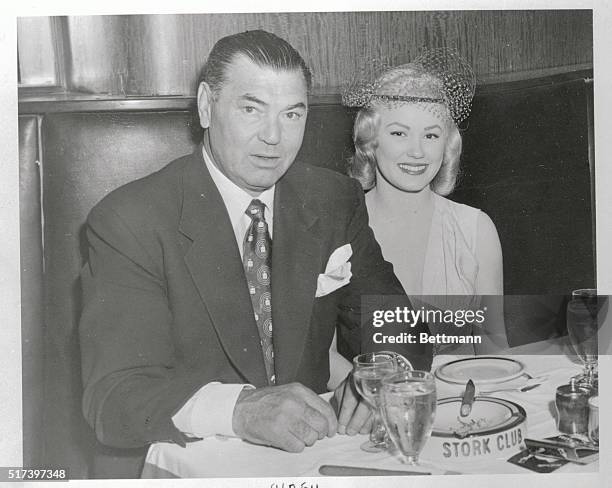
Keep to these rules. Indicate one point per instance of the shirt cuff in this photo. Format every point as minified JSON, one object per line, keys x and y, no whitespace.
{"x":209,"y":411}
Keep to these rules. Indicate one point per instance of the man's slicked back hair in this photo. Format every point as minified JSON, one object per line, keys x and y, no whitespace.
{"x":261,"y":47}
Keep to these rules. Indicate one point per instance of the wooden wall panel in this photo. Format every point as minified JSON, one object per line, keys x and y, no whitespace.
{"x":157,"y":50}
{"x":162,"y":54}
{"x":35,"y":51}
{"x":98,"y":54}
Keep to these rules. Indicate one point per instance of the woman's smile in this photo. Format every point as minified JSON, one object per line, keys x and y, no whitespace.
{"x":413,"y":168}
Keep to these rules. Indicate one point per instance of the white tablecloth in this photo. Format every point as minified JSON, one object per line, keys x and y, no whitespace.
{"x":215,"y":457}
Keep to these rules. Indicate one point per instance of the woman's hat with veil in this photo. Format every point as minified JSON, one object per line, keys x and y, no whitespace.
{"x":440,"y":79}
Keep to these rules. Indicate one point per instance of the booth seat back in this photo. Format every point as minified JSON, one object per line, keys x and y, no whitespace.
{"x":32,"y":284}
{"x":86,"y":156}
{"x":525,"y":163}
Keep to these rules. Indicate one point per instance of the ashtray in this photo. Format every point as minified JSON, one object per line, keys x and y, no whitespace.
{"x":495,"y":428}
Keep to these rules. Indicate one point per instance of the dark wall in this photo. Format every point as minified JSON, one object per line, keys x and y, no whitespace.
{"x":526,"y":163}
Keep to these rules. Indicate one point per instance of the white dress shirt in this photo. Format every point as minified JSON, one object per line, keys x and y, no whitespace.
{"x":210,"y":410}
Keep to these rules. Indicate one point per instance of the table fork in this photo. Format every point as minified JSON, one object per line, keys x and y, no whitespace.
{"x":520,"y":389}
{"x":531,"y":384}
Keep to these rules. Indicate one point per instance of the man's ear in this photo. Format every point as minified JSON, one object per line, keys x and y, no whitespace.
{"x":205,"y":99}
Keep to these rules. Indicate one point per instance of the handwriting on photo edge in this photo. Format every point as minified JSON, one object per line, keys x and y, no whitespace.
{"x":294,"y":484}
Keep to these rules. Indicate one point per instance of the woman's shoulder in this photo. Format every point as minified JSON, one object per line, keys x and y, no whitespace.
{"x":465,"y":215}
{"x":455,"y":206}
{"x":476,"y":226}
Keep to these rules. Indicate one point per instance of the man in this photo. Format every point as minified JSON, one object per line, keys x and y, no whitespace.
{"x":214,"y":286}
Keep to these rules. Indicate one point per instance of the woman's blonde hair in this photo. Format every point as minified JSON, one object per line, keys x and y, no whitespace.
{"x":362,"y":166}
{"x":427,"y":82}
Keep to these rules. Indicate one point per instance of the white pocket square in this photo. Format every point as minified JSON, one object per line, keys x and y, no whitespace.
{"x":337,"y":272}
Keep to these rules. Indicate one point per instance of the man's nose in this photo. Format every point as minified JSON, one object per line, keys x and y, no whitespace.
{"x":270,"y":131}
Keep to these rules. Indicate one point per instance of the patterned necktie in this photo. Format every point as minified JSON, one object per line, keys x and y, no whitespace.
{"x":257,"y":260}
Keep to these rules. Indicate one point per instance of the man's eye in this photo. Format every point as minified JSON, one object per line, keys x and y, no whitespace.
{"x":249,"y":109}
{"x":293,"y":115}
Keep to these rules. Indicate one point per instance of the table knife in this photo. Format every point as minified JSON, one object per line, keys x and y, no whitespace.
{"x":468,"y":399}
{"x":334,"y":470}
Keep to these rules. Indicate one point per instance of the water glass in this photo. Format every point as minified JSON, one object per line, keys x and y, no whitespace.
{"x":585,"y":313}
{"x":369,"y":369}
{"x":408,"y":406}
{"x":594,"y":419}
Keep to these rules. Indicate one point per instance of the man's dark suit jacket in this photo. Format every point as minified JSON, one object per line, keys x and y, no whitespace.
{"x":166,"y":305}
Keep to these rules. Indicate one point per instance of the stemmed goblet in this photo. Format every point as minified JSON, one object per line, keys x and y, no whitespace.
{"x":584,"y":313}
{"x":408,"y":405}
{"x":401,"y":363}
{"x":369,"y":369}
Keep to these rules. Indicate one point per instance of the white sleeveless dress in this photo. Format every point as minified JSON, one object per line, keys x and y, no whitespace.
{"x":450,"y":268}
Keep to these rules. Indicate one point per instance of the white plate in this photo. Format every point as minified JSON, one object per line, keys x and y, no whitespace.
{"x":481,"y":370}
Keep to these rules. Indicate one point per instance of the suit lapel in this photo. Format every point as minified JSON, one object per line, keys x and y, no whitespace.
{"x":216,"y":268}
{"x":296,"y":260}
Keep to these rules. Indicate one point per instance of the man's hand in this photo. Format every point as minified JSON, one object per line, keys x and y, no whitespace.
{"x":289,"y":417}
{"x":354,"y":415}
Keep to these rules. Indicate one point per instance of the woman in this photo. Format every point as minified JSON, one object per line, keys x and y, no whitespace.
{"x":407,"y":151}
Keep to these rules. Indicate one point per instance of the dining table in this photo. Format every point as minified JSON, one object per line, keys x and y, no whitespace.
{"x":225,"y":457}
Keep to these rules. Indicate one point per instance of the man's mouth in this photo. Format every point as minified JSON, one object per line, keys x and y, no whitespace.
{"x":265,"y":160}
{"x":267,"y":157}
{"x":412,"y":169}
